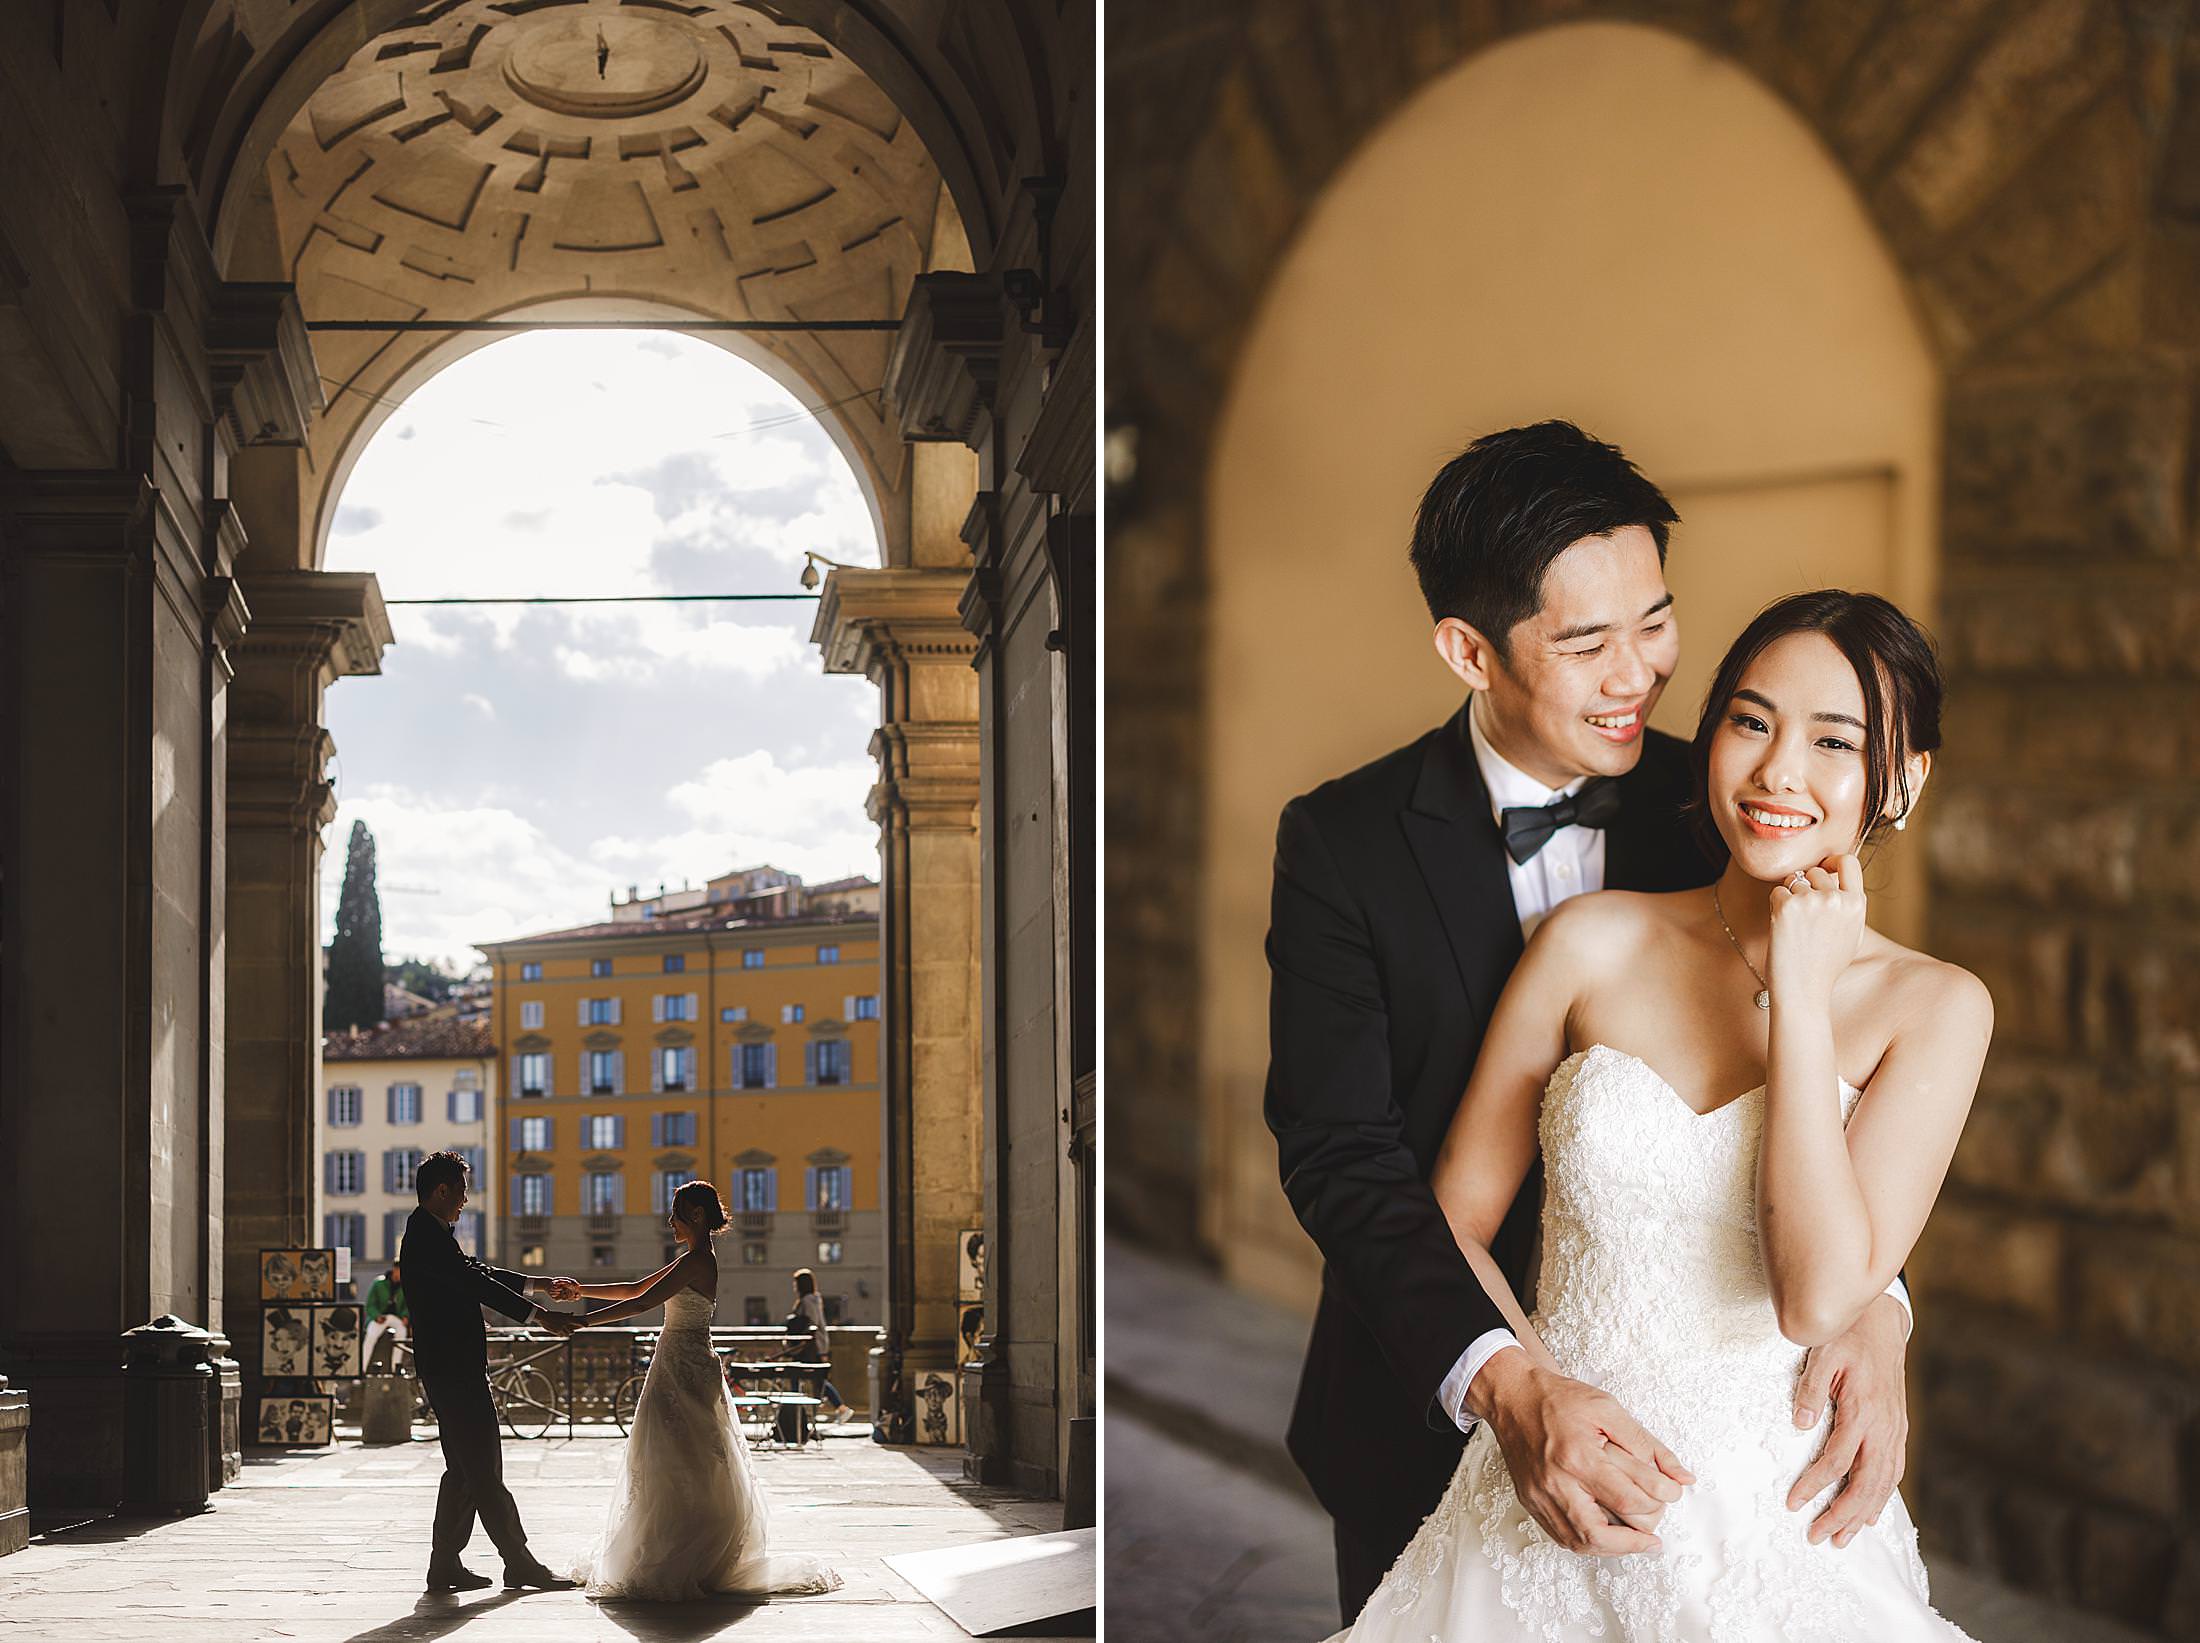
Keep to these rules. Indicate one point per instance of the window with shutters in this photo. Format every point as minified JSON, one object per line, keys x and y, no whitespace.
{"x":752,"y":958}
{"x":734,"y":1012}
{"x":398,"y":1167}
{"x":790,"y":1012}
{"x":346,"y":1229}
{"x":393,"y":1232}
{"x":600,"y":1192}
{"x":347,"y":1172}
{"x":675,"y":1007}
{"x":674,"y":1129}
{"x":833,"y":1061}
{"x":600,"y":1012}
{"x":756,"y":1190}
{"x":828,"y":955}
{"x":534,"y":1075}
{"x":534,"y":1135}
{"x":531,"y":1194}
{"x":752,"y":1066}
{"x":866,"y":1007}
{"x":599,"y":966}
{"x":473,"y":1157}
{"x":830,"y":1186}
{"x":404,"y":1103}
{"x":675,"y":963}
{"x":347,"y":1105}
{"x":603,"y":1132}
{"x":530,"y":972}
{"x":530,"y":1013}
{"x":603,"y":1072}
{"x":668,"y":1182}
{"x":673,"y":1063}
{"x":468,"y":1231}
{"x":465,"y":1106}
{"x":828,"y":1252}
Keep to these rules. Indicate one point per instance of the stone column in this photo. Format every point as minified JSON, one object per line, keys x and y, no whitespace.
{"x":309,"y":628}
{"x":899,"y":628}
{"x":117,"y":608}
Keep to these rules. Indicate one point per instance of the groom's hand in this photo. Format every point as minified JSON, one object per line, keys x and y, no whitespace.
{"x":1862,"y":1373}
{"x":558,"y":1323}
{"x":1583,"y":1467}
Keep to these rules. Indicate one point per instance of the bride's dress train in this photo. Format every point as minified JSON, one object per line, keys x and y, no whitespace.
{"x":687,"y":1517}
{"x":1652,"y":1288}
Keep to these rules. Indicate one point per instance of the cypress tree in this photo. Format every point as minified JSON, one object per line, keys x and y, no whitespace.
{"x":355,"y":957}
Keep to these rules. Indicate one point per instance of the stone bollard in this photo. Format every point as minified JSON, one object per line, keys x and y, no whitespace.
{"x":224,"y":1415}
{"x":15,"y":1431}
{"x":388,"y":1413}
{"x":165,"y":1400}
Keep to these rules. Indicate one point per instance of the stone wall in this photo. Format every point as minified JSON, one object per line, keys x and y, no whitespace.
{"x":2035,"y":169}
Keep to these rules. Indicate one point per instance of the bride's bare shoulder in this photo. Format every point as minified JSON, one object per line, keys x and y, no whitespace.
{"x":1926,"y":989}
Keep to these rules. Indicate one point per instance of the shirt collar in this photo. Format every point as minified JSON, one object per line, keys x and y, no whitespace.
{"x":1509,"y":786}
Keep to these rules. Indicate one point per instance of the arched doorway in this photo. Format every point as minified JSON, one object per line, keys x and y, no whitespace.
{"x":1553,"y":228}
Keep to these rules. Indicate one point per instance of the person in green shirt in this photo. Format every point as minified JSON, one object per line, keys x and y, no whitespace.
{"x":385,"y":1312}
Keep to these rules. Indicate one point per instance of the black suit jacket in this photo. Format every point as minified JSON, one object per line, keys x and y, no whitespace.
{"x":446,"y":1289}
{"x":1392,"y":933}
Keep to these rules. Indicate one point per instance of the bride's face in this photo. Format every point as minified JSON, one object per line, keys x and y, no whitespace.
{"x":1788,"y":766}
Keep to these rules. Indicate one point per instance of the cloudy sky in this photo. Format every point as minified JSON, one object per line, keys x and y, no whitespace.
{"x":515,"y":763}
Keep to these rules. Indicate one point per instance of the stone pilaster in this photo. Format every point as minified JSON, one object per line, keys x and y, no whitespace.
{"x":309,"y":628}
{"x":900,"y":630}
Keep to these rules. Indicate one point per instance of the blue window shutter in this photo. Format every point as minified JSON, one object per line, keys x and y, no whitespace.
{"x":618,"y":1129}
{"x":549,"y":1134}
{"x":657,"y":1130}
{"x":328,"y":1172}
{"x":736,"y":1080}
{"x":809,"y":1062}
{"x":618,"y":1072}
{"x":809,"y":1186}
{"x":771,"y":1066}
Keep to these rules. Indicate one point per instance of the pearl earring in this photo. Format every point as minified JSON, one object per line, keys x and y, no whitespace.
{"x":1902,"y":821}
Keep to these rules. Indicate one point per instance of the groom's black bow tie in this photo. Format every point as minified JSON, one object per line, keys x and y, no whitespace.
{"x":1528,"y":828}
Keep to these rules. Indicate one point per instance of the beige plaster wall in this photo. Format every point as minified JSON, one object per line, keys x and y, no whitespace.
{"x":1600,"y":222}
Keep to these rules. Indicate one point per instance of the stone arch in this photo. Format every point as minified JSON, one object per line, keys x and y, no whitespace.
{"x":1765,"y":367}
{"x":435,"y":354}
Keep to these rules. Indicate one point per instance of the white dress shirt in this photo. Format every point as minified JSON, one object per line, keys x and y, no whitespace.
{"x":1570,"y":863}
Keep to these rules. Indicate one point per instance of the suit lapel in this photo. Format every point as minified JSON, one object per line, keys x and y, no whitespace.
{"x":1461,"y":855}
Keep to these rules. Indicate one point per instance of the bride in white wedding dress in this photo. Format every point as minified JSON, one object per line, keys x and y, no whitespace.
{"x":1745,"y":1102}
{"x":687,"y":1518}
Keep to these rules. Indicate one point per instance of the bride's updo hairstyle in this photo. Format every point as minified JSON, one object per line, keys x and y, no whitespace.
{"x":698,"y":1204}
{"x":1894,"y":661}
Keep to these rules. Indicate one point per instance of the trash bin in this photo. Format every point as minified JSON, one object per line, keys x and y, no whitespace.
{"x":387,"y":1412}
{"x":166,"y":1394}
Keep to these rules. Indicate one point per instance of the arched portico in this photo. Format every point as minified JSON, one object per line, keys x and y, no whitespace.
{"x":179,"y":438}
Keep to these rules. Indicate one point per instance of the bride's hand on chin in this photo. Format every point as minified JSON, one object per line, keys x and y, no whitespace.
{"x":1817,"y":924}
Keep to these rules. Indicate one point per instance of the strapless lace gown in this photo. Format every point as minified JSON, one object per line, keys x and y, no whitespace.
{"x":687,"y":1518}
{"x":1652,"y":1288}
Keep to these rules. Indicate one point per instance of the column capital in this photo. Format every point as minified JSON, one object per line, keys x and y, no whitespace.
{"x":869,"y":618}
{"x":945,"y":365}
{"x":335,"y":617}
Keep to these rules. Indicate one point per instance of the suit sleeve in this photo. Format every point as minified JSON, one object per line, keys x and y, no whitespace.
{"x":1340,"y":1137}
{"x":496,"y":1288}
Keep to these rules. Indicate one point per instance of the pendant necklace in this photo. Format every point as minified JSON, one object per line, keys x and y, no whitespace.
{"x":1764,"y":988}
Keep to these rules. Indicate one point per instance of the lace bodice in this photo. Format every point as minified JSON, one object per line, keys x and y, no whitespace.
{"x":690,"y":1309}
{"x":1652,"y":1286}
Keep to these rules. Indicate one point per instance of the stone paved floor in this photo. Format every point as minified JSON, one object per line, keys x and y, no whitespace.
{"x":329,"y":1547}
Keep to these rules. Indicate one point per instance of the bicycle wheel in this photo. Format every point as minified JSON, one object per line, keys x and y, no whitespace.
{"x":527,"y":1401}
{"x":624,"y":1400}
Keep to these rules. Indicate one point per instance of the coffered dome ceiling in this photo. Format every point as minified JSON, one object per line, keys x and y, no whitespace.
{"x":492,"y":153}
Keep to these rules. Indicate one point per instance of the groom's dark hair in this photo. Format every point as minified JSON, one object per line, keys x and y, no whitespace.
{"x":439,"y":1169}
{"x":1499,"y":512}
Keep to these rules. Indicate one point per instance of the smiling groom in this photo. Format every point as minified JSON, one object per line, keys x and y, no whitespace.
{"x":1404,"y":893}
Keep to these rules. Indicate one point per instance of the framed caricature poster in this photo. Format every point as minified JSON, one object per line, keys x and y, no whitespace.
{"x":336,"y":1340}
{"x":302,"y":1422}
{"x":298,"y":1274}
{"x":969,"y":1325}
{"x":286,"y":1340}
{"x":939,"y":1417}
{"x":970,"y":1264}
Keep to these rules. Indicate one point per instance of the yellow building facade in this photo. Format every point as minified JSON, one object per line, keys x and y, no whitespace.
{"x":729,"y":1034}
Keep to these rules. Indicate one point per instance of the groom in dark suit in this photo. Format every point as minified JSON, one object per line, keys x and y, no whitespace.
{"x":1403,"y":895}
{"x":447,"y":1289}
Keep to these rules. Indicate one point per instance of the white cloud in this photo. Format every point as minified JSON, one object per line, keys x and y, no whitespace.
{"x":520,"y":760}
